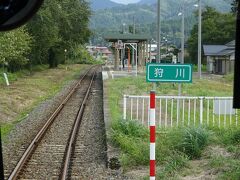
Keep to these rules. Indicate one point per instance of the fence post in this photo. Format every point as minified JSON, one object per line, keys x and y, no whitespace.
{"x":152,"y":134}
{"x":201,"y":110}
{"x":124,"y":107}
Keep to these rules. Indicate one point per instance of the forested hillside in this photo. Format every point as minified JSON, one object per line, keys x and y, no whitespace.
{"x":144,"y":15}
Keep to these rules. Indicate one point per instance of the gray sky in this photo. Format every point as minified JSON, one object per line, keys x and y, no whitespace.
{"x":125,"y":1}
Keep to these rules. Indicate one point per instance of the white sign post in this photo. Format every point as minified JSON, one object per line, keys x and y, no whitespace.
{"x":6,"y":79}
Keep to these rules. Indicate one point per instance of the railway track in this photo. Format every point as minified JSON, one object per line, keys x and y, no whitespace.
{"x":89,"y":156}
{"x":49,"y":154}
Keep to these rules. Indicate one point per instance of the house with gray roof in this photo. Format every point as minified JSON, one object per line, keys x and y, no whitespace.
{"x":220,"y":58}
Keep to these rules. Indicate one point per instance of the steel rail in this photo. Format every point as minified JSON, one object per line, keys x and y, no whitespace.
{"x":64,"y":173}
{"x":41,"y":133}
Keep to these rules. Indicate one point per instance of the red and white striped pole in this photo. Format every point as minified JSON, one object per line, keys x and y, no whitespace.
{"x":152,"y":135}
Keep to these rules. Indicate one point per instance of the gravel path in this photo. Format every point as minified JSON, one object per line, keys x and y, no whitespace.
{"x":20,"y":137}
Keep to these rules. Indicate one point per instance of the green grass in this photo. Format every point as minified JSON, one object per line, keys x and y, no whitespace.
{"x":132,"y":138}
{"x":6,"y":128}
{"x":229,"y":167}
{"x":138,"y":86}
{"x":27,"y":90}
{"x":227,"y":137}
{"x":229,"y":77}
{"x":175,"y":147}
{"x":20,"y":74}
{"x":172,"y":165}
{"x":193,"y":141}
{"x":195,"y":68}
{"x":203,"y":87}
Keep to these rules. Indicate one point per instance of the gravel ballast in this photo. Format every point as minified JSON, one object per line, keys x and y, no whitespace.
{"x":20,"y":137}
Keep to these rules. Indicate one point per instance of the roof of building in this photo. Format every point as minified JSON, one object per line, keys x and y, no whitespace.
{"x":231,"y":44}
{"x":226,"y":52}
{"x":213,"y":50}
{"x":106,"y":51}
{"x":127,"y":38}
{"x":219,"y":50}
{"x":96,"y":47}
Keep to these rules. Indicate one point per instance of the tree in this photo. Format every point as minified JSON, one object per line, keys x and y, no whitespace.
{"x":74,"y":24}
{"x":234,"y":5}
{"x":45,"y":31}
{"x":217,"y":28}
{"x":59,"y":25}
{"x":15,"y":47}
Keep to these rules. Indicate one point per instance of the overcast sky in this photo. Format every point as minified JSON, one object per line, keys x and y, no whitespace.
{"x":125,"y":1}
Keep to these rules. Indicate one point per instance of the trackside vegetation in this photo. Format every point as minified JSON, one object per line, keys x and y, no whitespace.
{"x":28,"y":89}
{"x":55,"y":35}
{"x":180,"y":152}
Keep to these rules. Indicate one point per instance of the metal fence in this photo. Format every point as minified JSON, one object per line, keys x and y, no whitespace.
{"x":174,"y":111}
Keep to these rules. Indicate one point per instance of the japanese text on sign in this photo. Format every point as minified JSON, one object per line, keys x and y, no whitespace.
{"x":181,"y":73}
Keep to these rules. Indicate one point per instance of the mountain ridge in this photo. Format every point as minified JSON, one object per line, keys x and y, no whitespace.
{"x":222,"y":5}
{"x":103,"y":4}
{"x":145,"y":17}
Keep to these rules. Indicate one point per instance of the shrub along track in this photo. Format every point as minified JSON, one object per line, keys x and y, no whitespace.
{"x":49,"y":155}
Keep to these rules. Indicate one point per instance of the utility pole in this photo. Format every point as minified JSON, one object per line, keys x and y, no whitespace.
{"x":158,"y":60}
{"x":183,"y":37}
{"x":199,"y":39}
{"x":182,"y":45}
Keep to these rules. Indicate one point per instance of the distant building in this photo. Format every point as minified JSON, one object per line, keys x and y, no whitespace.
{"x":220,"y":58}
{"x":91,"y":49}
{"x":103,"y":52}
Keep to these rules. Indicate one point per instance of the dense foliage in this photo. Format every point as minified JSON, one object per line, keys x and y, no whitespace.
{"x":14,"y":48}
{"x":55,"y":32}
{"x":217,"y":28}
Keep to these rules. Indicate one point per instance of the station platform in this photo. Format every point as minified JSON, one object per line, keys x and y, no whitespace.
{"x":109,"y":72}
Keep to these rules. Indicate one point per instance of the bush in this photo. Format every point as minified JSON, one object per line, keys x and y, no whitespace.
{"x":131,"y":128}
{"x":173,"y":164}
{"x":135,"y":151}
{"x":193,"y":142}
{"x":236,"y":137}
{"x":229,"y":77}
{"x":132,"y":138}
{"x":228,"y":136}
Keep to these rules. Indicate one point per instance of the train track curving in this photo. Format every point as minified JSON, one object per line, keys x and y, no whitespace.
{"x":50,"y":154}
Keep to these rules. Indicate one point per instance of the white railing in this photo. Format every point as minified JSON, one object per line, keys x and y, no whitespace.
{"x":172,"y":111}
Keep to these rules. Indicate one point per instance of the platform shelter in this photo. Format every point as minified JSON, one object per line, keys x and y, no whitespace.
{"x":133,"y":47}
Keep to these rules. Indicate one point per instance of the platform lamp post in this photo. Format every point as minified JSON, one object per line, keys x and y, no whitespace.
{"x":166,"y":41}
{"x":159,"y":32}
{"x":158,"y":59}
{"x":182,"y":46}
{"x":65,"y":55}
{"x":199,"y":5}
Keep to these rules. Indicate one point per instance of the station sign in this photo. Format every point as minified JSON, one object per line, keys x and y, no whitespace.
{"x":175,"y":73}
